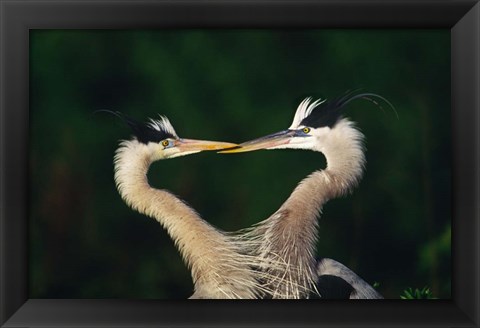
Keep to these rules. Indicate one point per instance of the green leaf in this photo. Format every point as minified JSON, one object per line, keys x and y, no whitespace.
{"x":411,"y":294}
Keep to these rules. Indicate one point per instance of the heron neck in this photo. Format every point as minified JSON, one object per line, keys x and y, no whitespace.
{"x":345,"y":163}
{"x":205,"y":249}
{"x":292,"y":231}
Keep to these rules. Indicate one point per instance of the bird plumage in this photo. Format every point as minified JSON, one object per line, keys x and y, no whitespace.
{"x":353,"y":286}
{"x":219,"y":264}
{"x":290,"y":234}
{"x":276,"y":257}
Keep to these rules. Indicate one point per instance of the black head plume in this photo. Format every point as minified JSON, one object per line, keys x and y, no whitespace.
{"x":155,"y":131}
{"x":329,"y":112}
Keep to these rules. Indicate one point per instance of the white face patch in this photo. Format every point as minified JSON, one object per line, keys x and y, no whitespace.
{"x":310,"y":141}
{"x":299,"y":143}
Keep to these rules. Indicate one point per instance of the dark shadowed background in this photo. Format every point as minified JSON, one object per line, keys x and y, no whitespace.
{"x":234,"y":85}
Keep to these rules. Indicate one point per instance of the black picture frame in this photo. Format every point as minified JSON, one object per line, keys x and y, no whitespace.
{"x":18,"y":17}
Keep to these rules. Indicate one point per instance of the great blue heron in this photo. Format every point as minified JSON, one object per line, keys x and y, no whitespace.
{"x":290,"y":234}
{"x":220,"y":264}
{"x":224,"y":265}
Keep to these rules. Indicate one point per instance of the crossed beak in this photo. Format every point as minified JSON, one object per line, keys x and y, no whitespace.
{"x":271,"y":140}
{"x":187,"y":145}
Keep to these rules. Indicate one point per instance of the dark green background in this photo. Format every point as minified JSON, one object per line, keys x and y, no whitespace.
{"x":234,"y":85}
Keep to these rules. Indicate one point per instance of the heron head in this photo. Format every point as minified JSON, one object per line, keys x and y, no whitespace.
{"x":314,"y":125}
{"x":162,"y":142}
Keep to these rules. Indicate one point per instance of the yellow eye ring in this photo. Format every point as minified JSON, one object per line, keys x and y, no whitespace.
{"x":306,"y":130}
{"x":165,"y":143}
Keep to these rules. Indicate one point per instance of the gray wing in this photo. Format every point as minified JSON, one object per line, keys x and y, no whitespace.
{"x":335,"y":280}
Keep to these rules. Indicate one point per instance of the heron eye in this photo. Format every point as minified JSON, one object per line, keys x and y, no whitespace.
{"x":306,"y":130}
{"x":165,"y":143}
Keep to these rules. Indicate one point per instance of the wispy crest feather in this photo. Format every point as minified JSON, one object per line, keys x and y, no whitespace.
{"x":162,"y":125}
{"x":303,"y":110}
{"x":328,"y":113}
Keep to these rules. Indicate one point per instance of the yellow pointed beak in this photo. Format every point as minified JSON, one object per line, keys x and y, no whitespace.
{"x":271,"y":140}
{"x":201,"y":145}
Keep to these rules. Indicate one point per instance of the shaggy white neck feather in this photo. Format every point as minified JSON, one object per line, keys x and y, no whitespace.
{"x":291,"y":232}
{"x":217,"y":268}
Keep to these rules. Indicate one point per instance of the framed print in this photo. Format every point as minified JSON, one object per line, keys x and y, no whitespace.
{"x":79,"y":249}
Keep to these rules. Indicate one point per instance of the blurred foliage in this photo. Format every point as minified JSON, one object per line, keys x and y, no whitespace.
{"x":417,"y":294}
{"x":234,"y":85}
